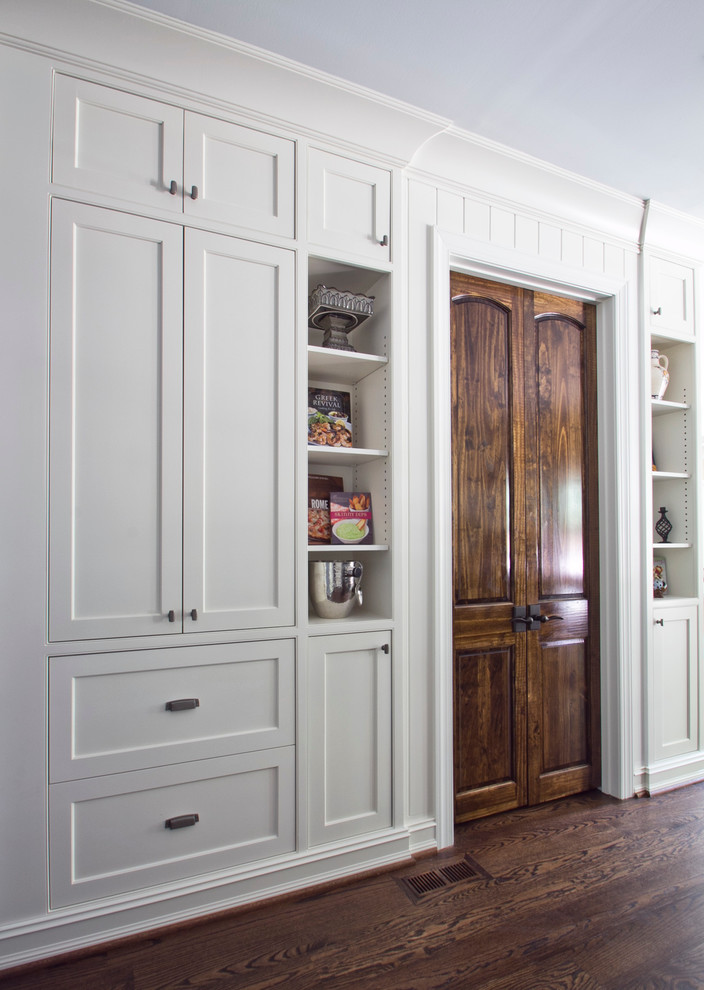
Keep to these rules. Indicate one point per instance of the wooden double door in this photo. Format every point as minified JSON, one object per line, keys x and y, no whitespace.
{"x":525,"y":547}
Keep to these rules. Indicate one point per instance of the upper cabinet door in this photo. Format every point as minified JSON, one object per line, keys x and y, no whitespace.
{"x":349,"y":205}
{"x":239,"y":435}
{"x":116,"y":388}
{"x":671,"y":298}
{"x":237,"y":175}
{"x":116,"y":144}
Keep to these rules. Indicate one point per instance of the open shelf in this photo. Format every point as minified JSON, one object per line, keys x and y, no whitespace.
{"x":343,"y":367}
{"x":661,"y":407}
{"x":344,"y":455}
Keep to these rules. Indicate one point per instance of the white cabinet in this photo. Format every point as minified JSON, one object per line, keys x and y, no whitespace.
{"x":675,"y":682}
{"x":349,"y":735}
{"x":349,"y":205}
{"x":673,"y":747}
{"x":127,"y":831}
{"x":117,"y":712}
{"x":168,"y":763}
{"x":671,"y":298}
{"x":139,"y":150}
{"x":122,"y":560}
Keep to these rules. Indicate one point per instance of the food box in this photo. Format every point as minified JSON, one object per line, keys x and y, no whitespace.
{"x":351,"y":518}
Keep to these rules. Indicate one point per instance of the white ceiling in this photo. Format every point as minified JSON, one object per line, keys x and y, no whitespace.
{"x":609,"y":89}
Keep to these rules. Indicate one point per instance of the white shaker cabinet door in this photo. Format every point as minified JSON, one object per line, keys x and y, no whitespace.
{"x":671,"y":297}
{"x":117,"y":144}
{"x":238,"y":175}
{"x":115,"y":427}
{"x":239,"y":435}
{"x":349,"y":205}
{"x":675,"y":690}
{"x":349,"y":735}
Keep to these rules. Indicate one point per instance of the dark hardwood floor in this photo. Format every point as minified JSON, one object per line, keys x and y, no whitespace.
{"x":586,"y":893}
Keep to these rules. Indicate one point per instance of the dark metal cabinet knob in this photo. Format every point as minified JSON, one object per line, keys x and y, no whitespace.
{"x":181,"y":821}
{"x":182,"y":704}
{"x":173,"y":187}
{"x":194,"y":614}
{"x":194,"y":192}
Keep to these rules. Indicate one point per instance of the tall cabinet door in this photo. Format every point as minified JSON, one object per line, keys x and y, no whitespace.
{"x":239,"y":435}
{"x":115,"y":463}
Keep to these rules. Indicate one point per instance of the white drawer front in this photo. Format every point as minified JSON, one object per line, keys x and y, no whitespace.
{"x":108,"y":835}
{"x":109,"y":711}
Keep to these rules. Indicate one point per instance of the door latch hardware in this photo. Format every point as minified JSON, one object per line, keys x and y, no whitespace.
{"x":528,"y":618}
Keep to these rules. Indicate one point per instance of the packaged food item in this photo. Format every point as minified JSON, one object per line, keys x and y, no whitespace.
{"x":319,"y":488}
{"x":351,"y":517}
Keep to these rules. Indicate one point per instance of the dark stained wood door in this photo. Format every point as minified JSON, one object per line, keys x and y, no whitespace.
{"x":525,"y":547}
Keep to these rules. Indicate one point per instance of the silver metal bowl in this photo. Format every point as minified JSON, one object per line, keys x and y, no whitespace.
{"x":335,"y":587}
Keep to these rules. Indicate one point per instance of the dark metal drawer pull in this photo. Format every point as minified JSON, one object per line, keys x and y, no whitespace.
{"x":182,"y":704}
{"x":181,"y":821}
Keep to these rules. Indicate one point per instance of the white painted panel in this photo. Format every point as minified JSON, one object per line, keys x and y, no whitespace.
{"x":349,"y":205}
{"x":239,"y":434}
{"x":477,"y":219}
{"x":350,"y":736}
{"x":550,"y":242}
{"x":671,"y":298}
{"x":614,"y":261}
{"x":420,"y":801}
{"x":572,"y":248}
{"x":675,"y":729}
{"x":117,"y":144}
{"x":527,"y":234}
{"x":503,"y":227}
{"x":243,"y":176}
{"x":450,"y":209}
{"x":108,"y":712}
{"x":108,"y":834}
{"x":593,"y":254}
{"x":115,"y":516}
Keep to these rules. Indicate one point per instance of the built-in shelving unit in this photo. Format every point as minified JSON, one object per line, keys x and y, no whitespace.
{"x":365,"y":373}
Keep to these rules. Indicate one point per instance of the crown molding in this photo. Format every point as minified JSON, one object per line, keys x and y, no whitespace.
{"x":130,"y":42}
{"x":490,"y":171}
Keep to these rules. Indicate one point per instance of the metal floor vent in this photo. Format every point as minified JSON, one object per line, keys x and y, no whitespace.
{"x":423,"y":884}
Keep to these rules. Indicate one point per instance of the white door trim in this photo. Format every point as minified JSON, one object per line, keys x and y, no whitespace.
{"x":619,"y":360}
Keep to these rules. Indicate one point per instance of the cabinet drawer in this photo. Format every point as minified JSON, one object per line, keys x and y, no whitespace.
{"x":109,"y":835}
{"x":119,"y":145}
{"x":109,"y":714}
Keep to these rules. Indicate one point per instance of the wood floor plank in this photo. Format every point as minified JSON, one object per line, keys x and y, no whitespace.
{"x":584,"y":894}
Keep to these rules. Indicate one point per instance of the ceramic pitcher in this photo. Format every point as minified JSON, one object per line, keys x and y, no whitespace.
{"x":659,"y":375}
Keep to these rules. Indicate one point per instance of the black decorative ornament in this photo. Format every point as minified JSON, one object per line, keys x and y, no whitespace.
{"x":663,"y":526}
